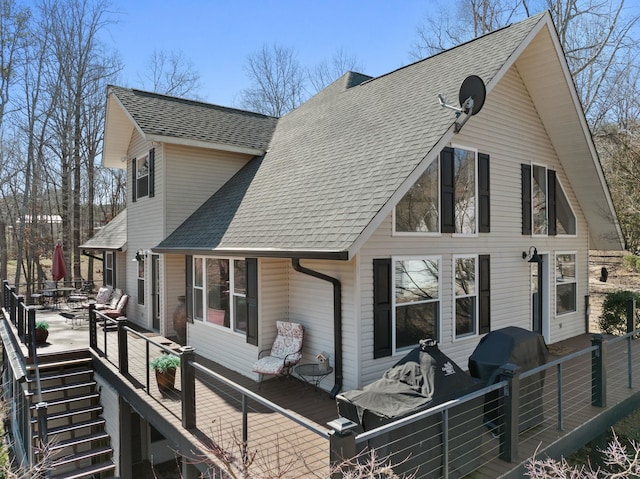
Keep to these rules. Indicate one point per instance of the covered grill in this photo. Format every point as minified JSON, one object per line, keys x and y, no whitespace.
{"x":423,"y":379}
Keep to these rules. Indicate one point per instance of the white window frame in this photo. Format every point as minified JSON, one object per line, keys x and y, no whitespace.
{"x":204,"y":288}
{"x":573,"y":212}
{"x":139,"y":177}
{"x":109,"y":257}
{"x":476,"y":326}
{"x":557,"y":283}
{"x":476,"y":201}
{"x":395,"y":259}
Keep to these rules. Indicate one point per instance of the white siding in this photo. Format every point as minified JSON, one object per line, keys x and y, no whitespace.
{"x":110,"y":401}
{"x":508,"y":129}
{"x":172,"y":285}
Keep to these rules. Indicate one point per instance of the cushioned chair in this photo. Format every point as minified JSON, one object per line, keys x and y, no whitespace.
{"x":120,"y":308}
{"x":285,"y":353}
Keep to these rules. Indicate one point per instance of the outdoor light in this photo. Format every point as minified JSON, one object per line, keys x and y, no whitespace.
{"x":534,"y":257}
{"x":139,"y":256}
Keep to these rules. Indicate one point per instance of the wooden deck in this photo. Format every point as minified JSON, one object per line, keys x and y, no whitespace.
{"x":306,"y":454}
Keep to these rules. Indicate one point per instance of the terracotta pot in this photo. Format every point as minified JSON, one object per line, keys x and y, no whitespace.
{"x":166,"y":380}
{"x":41,"y":335}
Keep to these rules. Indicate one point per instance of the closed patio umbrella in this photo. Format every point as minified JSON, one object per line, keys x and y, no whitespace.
{"x":58,"y":269}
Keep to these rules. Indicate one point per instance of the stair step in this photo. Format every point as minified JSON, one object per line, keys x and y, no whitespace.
{"x":73,"y":427}
{"x":87,"y":471}
{"x":76,"y":441}
{"x":67,"y":387}
{"x":57,"y":364}
{"x":61,"y":375}
{"x":72,"y":412}
{"x":81,"y":456}
{"x":70,"y":399}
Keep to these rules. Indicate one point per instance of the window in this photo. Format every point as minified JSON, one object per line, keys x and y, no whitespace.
{"x":141,"y":279}
{"x":545,"y":207}
{"x":109,"y":269}
{"x":416,"y":300}
{"x":565,"y":283}
{"x":220,"y":292}
{"x":451,"y":196}
{"x":143,"y":176}
{"x":465,"y":296}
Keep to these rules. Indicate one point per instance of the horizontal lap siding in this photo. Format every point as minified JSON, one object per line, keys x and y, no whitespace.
{"x":509,"y":130}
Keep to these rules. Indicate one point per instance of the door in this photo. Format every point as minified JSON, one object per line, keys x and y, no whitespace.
{"x":155,"y":291}
{"x":540,"y":297}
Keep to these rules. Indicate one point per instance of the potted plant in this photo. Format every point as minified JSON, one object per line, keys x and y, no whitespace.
{"x":41,"y":332}
{"x":165,"y":367}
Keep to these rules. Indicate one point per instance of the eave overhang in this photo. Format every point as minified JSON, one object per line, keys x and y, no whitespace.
{"x":258,"y":253}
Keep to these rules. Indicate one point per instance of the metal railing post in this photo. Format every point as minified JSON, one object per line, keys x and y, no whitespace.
{"x":20,"y":317}
{"x":93,"y":328}
{"x":188,"y":380}
{"x":5,"y":293}
{"x":123,"y":347}
{"x":12,"y":304}
{"x":598,"y":372}
{"x":631,"y":315}
{"x":43,"y":434}
{"x":31,"y":331}
{"x":342,"y":445}
{"x":511,"y":400}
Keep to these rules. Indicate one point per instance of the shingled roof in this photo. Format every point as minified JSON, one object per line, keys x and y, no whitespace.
{"x":337,"y":165}
{"x":112,"y":236}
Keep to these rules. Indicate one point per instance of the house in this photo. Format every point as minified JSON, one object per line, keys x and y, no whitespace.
{"x":370,"y":214}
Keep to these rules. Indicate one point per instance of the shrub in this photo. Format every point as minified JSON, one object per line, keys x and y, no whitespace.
{"x":165,"y":362}
{"x":632,"y":262}
{"x":614,"y":312}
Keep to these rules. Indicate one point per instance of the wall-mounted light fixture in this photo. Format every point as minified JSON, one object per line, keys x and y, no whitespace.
{"x":533,"y":255}
{"x":139,"y":256}
{"x":124,"y":159}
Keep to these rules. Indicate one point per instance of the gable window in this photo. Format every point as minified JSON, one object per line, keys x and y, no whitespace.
{"x":416,"y":300}
{"x":143,"y":176}
{"x":220,"y":292}
{"x":465,"y":295}
{"x":546,"y":211}
{"x":565,"y":283}
{"x":109,"y":267}
{"x":451,"y":196}
{"x":141,"y":279}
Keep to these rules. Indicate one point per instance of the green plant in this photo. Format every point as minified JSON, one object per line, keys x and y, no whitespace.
{"x":614,"y":312}
{"x":632,"y":262}
{"x":165,"y":362}
{"x":42,"y":325}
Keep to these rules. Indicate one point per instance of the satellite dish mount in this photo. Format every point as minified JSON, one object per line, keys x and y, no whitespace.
{"x":471,"y":98}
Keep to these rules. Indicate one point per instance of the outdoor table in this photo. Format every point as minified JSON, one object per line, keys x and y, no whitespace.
{"x":312,"y":374}
{"x":58,"y":293}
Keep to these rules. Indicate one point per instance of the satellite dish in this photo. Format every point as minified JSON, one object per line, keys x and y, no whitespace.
{"x":472,"y":94}
{"x":471,"y":97}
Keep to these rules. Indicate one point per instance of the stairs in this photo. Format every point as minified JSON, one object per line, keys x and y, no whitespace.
{"x":79,"y":447}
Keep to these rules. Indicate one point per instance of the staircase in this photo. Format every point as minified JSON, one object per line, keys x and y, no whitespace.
{"x":79,"y":445}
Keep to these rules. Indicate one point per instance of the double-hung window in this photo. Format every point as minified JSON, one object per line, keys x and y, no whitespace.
{"x":143,"y":180}
{"x":109,"y":268}
{"x":465,"y":293}
{"x":141,"y":279}
{"x":451,"y":196}
{"x":565,"y":283}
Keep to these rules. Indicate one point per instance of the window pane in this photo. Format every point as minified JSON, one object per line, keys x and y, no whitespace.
{"x":565,"y":283}
{"x":240,"y":277}
{"x":415,"y":322}
{"x":418,"y":210}
{"x":465,"y":276}
{"x":539,"y":200}
{"x":465,"y":191}
{"x":566,"y":268}
{"x":197,"y":271}
{"x":416,"y":280}
{"x":465,"y":315}
{"x":218,"y":291}
{"x":198,"y":302}
{"x":566,"y":298}
{"x":565,"y":219}
{"x":240,"y":310}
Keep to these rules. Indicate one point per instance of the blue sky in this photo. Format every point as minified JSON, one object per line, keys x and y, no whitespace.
{"x":218,"y":35}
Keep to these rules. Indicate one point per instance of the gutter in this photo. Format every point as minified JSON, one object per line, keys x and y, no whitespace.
{"x":337,"y":320}
{"x":99,"y":258}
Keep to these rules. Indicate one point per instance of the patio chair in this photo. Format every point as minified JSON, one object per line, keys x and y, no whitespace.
{"x":119,"y":310}
{"x":285,"y":353}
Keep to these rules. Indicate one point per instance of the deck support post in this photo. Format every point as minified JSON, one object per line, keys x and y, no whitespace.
{"x":20,"y":317}
{"x":123,"y":346}
{"x":342,"y":445}
{"x":93,"y":327}
{"x":510,"y":425}
{"x":598,"y":372}
{"x":631,"y":315}
{"x":188,"y":386}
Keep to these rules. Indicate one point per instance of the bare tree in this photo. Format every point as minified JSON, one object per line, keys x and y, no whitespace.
{"x":170,"y":73}
{"x":327,"y":72}
{"x":278,"y":81}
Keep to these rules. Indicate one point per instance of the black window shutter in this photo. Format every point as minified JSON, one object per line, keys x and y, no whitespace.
{"x":484,"y":293}
{"x":189,"y":287}
{"x":152,"y":172}
{"x":252,"y":301}
{"x":447,"y":199}
{"x":483,"y":193}
{"x":526,"y":199}
{"x":381,"y":307}
{"x":134,"y":168}
{"x":104,"y":274}
{"x":551,"y":202}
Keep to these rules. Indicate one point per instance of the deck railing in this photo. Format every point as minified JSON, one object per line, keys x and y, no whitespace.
{"x":520,"y":412}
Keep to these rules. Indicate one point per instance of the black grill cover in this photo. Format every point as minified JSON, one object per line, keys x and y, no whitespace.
{"x":424,"y":378}
{"x":523,"y":348}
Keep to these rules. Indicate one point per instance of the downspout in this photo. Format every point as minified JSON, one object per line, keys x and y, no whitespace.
{"x":337,"y":320}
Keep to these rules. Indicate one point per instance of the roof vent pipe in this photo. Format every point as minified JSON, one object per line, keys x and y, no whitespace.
{"x":337,"y":320}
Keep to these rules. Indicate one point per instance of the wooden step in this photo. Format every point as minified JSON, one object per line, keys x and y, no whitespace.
{"x":82,"y":456}
{"x":70,"y":399}
{"x":66,"y":387}
{"x":73,"y":427}
{"x":86,"y":471}
{"x":76,"y":441}
{"x":59,"y":364}
{"x":60,"y":375}
{"x":72,"y":412}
